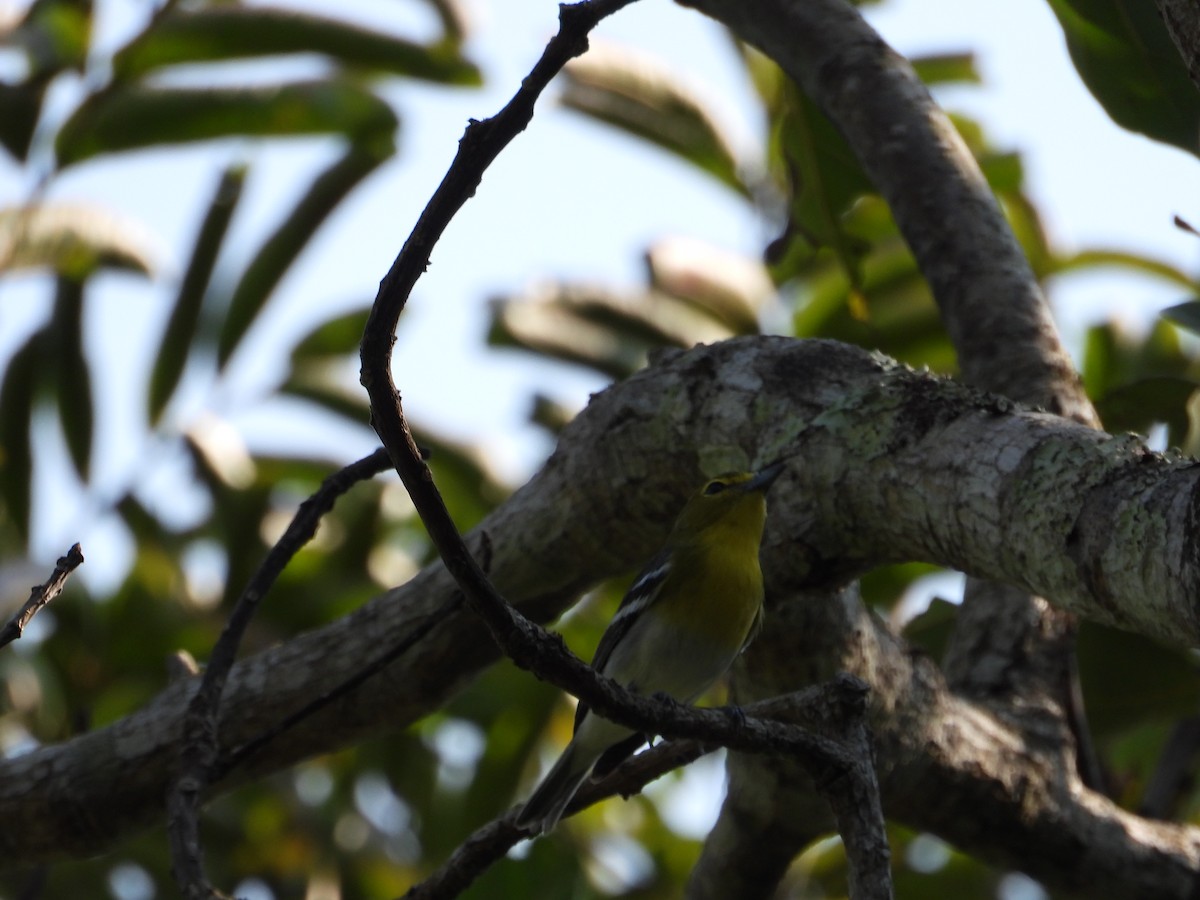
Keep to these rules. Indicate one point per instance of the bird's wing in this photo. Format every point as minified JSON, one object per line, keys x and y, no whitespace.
{"x":640,"y":595}
{"x":755,"y":628}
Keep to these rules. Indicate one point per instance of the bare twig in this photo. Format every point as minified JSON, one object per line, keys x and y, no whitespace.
{"x":199,"y":747}
{"x":789,"y":716}
{"x":41,"y":595}
{"x":480,"y":145}
{"x":523,"y":641}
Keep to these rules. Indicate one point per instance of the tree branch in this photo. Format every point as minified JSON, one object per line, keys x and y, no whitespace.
{"x":849,"y":785}
{"x":970,"y":258}
{"x":1182,"y":20}
{"x":42,"y":595}
{"x":813,"y":708}
{"x":480,"y":145}
{"x":200,"y":742}
{"x":891,"y":464}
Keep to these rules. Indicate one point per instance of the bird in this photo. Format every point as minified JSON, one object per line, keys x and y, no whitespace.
{"x":695,"y":606}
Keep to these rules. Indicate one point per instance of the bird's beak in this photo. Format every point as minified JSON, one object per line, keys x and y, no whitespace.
{"x":764,"y":477}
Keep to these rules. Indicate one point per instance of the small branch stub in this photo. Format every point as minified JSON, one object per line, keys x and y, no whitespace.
{"x":41,"y":595}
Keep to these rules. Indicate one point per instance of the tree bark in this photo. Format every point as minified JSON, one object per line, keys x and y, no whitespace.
{"x":992,"y":305}
{"x":889,"y":464}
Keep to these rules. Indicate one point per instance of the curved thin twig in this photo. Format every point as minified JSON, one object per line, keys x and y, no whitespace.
{"x":200,"y":740}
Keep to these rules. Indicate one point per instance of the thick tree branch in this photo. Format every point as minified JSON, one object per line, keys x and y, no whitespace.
{"x":1031,"y":812}
{"x":891,"y":464}
{"x":1182,"y":20}
{"x":991,"y":303}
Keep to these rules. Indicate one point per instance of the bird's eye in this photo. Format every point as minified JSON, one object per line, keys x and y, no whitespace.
{"x":714,"y":487}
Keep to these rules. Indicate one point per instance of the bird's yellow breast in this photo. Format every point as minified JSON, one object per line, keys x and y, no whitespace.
{"x":719,"y":585}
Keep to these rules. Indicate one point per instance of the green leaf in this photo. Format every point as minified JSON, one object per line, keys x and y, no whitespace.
{"x":72,"y":240}
{"x":898,"y":316}
{"x":467,"y":482}
{"x":823,"y":180}
{"x":284,"y":245}
{"x":20,"y":106}
{"x":1026,"y":225}
{"x":1190,"y":445}
{"x":1124,"y":55}
{"x":185,"y":313}
{"x":556,"y":333}
{"x":134,"y":117}
{"x":69,"y":373}
{"x":931,"y":629}
{"x":220,"y":33}
{"x":55,"y":35}
{"x":603,"y":329}
{"x":1101,"y":257}
{"x":452,"y":17}
{"x":1115,"y":360}
{"x":730,"y":287}
{"x":643,"y":98}
{"x":1141,"y":404}
{"x":1185,"y":315}
{"x":17,"y":396}
{"x":550,"y":414}
{"x":320,"y":386}
{"x":947,"y":68}
{"x":336,"y":337}
{"x":1129,"y":679}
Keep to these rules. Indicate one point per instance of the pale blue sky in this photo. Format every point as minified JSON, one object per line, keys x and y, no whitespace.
{"x":536,"y":217}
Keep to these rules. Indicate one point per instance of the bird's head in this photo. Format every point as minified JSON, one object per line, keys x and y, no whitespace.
{"x":735,"y":499}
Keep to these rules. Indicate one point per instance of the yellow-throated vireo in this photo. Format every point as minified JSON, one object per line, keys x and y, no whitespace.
{"x":684,"y":620}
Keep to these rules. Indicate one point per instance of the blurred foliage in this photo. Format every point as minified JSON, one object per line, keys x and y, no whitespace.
{"x":1129,"y":63}
{"x":371,"y":819}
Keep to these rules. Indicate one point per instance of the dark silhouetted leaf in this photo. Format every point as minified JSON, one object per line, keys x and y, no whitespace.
{"x":600,"y":328}
{"x":185,"y":313}
{"x":336,"y":337}
{"x":69,"y":372}
{"x":452,"y":17}
{"x":931,"y":629}
{"x":1128,"y":679}
{"x":465,"y":478}
{"x":1141,"y":404}
{"x":1127,"y":60}
{"x":20,"y":106}
{"x":1137,"y":381}
{"x":640,"y":96}
{"x":134,"y":117}
{"x":17,"y":396}
{"x":72,"y":240}
{"x":237,"y":32}
{"x":1185,"y":315}
{"x":318,"y":385}
{"x":284,"y":245}
{"x":823,"y":180}
{"x":550,"y":414}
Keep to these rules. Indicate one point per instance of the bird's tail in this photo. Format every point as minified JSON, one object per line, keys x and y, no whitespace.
{"x":543,"y":810}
